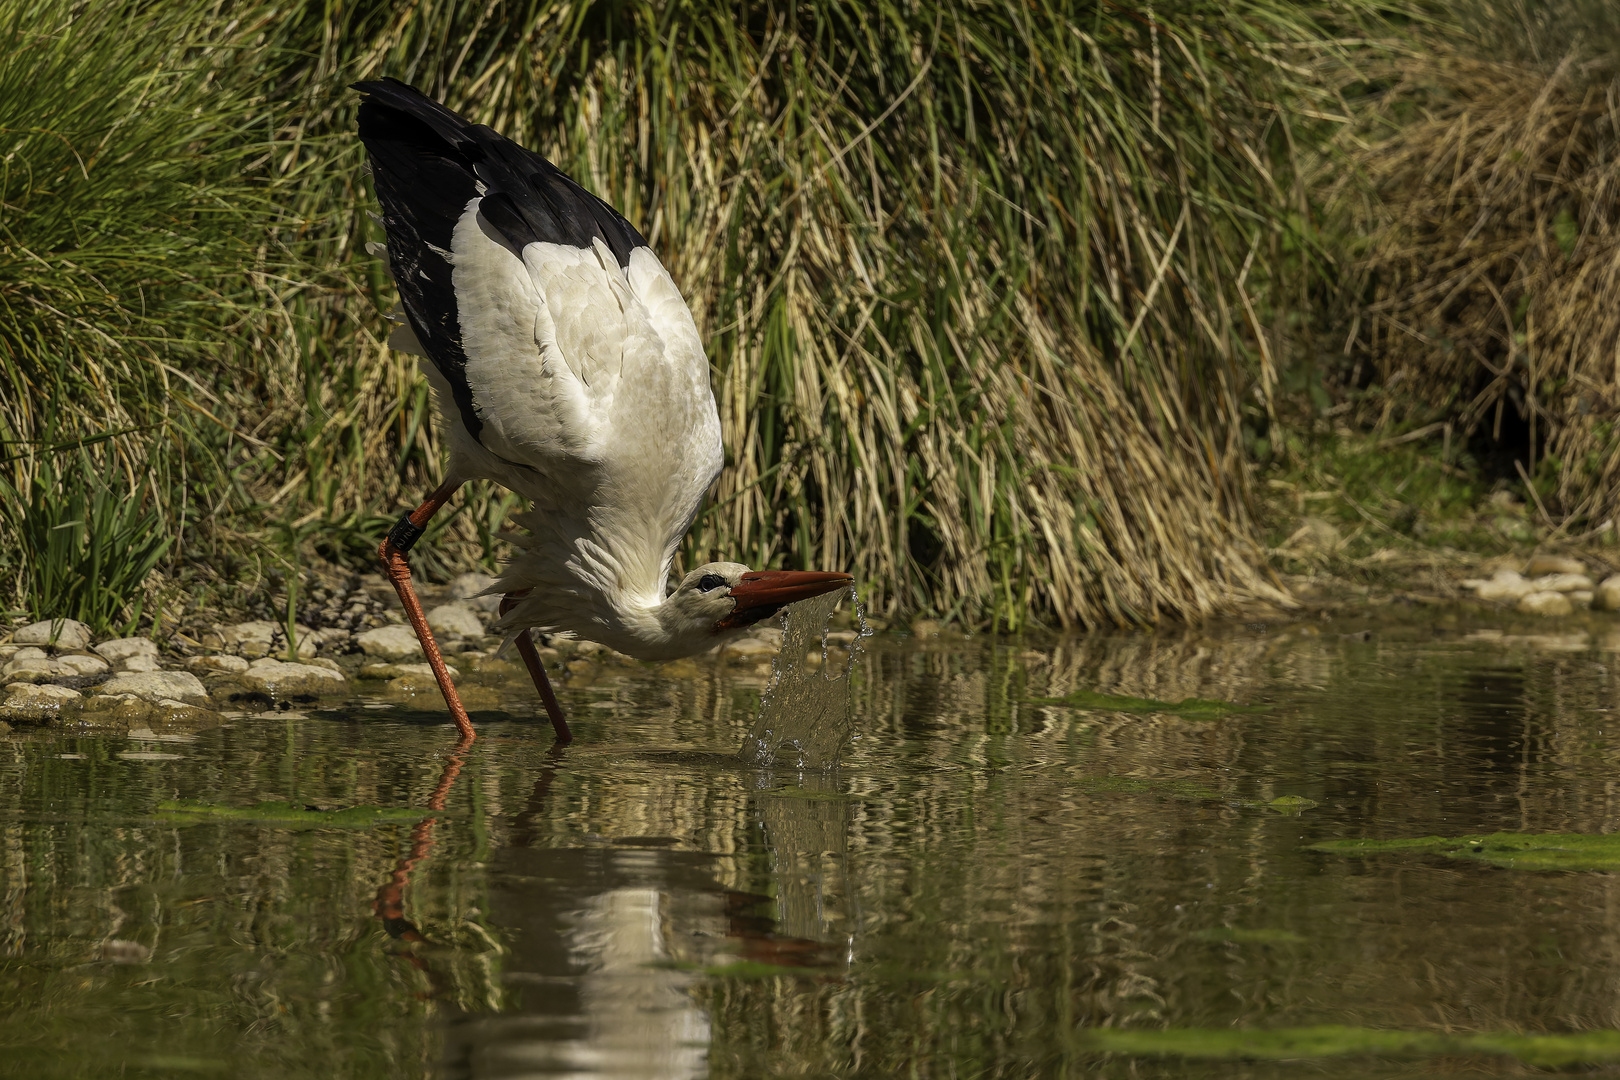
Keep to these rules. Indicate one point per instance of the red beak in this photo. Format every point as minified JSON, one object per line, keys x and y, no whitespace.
{"x":762,"y":593}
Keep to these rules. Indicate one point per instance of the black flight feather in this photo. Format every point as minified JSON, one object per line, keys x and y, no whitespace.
{"x":427,"y":163}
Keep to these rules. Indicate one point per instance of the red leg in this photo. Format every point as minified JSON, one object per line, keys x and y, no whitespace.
{"x":398,"y":569}
{"x":537,"y":672}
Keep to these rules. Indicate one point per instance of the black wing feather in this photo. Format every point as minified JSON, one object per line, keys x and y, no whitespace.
{"x":427,"y":163}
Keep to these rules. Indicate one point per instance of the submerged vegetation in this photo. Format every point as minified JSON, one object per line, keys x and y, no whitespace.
{"x":1006,"y":305}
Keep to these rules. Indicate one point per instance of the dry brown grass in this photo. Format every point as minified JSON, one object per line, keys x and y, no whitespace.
{"x":1494,"y":264}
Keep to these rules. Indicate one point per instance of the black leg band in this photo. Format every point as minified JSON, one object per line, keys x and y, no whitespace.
{"x":403,"y":536}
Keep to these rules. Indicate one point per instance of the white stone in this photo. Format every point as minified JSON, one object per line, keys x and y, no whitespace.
{"x":25,"y":702}
{"x":140,"y":662}
{"x":467,"y":587}
{"x":278,"y":678}
{"x":1504,"y":586}
{"x":225,"y":662}
{"x":1581,"y":598}
{"x":23,"y":692}
{"x":120,"y":649}
{"x":455,"y":620}
{"x":1542,"y":565}
{"x":34,"y":670}
{"x":390,"y":643}
{"x":256,"y":630}
{"x":83,"y":664}
{"x":59,"y":633}
{"x":394,"y":671}
{"x":157,"y":685}
{"x":748,"y":648}
{"x":1562,"y":583}
{"x":1607,"y":595}
{"x":1546,"y":603}
{"x":30,"y":653}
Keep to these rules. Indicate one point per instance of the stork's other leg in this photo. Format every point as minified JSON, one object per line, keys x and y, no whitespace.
{"x":394,"y":548}
{"x":537,"y":671}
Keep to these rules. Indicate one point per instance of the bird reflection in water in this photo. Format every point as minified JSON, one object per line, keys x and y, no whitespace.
{"x":602,"y":948}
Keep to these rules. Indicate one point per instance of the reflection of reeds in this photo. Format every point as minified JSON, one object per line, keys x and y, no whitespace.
{"x":966,"y":891}
{"x":980,"y":284}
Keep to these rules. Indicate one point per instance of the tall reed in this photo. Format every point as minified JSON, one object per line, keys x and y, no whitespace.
{"x":987,"y":289}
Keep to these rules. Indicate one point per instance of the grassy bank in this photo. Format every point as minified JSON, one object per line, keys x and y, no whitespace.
{"x":1003,"y":304}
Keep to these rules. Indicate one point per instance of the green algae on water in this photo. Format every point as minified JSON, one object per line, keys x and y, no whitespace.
{"x":1191,"y":708}
{"x":1334,"y":1040}
{"x":288,"y":814}
{"x":1511,"y":851}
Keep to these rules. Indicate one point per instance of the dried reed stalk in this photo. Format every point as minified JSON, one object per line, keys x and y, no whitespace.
{"x":1494,"y":262}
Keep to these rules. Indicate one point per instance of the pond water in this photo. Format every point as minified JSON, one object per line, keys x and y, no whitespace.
{"x":991,"y":885}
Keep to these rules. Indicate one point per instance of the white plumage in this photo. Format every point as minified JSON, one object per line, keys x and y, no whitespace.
{"x":566,"y":367}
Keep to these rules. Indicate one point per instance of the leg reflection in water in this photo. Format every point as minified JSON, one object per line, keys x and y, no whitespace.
{"x":390,"y":903}
{"x":599,"y":950}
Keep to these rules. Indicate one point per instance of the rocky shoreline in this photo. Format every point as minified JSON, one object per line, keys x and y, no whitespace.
{"x":55,"y":673}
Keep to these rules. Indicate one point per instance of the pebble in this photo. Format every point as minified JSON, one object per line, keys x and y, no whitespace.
{"x":1542,"y":565}
{"x":416,"y":682}
{"x":1503,"y":586}
{"x":127,"y":712}
{"x":1562,"y":583}
{"x":260,"y":638}
{"x":140,"y":662}
{"x":749,"y":648}
{"x":255,"y":631}
{"x":202,"y":665}
{"x":281,"y":679}
{"x":1546,"y":603}
{"x":118,"y":650}
{"x":925,"y":628}
{"x":466,"y":588}
{"x":158,"y":686}
{"x":396,"y":671}
{"x":84,"y":664}
{"x":31,"y":704}
{"x":31,"y":670}
{"x":332,"y":637}
{"x":1607,"y":595}
{"x":59,"y":633}
{"x":390,"y":643}
{"x":456,"y":620}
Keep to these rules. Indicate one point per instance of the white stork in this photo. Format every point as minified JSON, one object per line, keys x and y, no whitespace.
{"x":567,"y":367}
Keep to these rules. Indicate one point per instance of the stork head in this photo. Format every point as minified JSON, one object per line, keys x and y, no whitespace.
{"x":719,"y":597}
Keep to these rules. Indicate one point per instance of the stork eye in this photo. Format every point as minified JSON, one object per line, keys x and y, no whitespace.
{"x":711,"y":582}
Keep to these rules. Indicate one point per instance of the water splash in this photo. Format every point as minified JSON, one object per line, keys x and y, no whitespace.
{"x":806,"y":710}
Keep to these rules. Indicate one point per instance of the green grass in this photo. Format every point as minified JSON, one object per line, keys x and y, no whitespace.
{"x":1383,"y":492}
{"x":288,"y":815}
